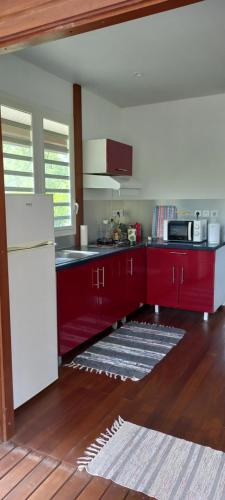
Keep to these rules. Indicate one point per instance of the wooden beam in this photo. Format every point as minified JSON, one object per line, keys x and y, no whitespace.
{"x":27,"y":22}
{"x":78,"y":158}
{"x":6,"y":389}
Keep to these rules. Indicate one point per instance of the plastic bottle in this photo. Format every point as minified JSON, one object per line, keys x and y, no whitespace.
{"x":138,"y":232}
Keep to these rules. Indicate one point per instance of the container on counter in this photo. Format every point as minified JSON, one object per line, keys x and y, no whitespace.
{"x":214,"y":233}
{"x":83,"y":236}
{"x":138,"y":232}
{"x":131,"y":235}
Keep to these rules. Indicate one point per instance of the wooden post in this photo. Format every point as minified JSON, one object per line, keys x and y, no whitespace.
{"x":78,"y":157}
{"x":6,"y":388}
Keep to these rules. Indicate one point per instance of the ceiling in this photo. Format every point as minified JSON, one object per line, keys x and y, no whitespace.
{"x":180,"y":54}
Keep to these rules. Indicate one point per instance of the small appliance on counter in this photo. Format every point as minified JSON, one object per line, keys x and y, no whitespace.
{"x":185,"y":230}
{"x":213,"y":233}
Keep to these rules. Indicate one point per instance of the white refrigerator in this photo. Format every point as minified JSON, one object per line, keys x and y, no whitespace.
{"x":32,"y":292}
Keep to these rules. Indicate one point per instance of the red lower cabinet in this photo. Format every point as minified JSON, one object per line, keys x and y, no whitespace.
{"x":83,"y":302}
{"x":196,"y":291}
{"x":94,"y":295}
{"x":182,"y":279}
{"x":76,"y":301}
{"x":129,"y":282}
{"x":135,"y":279}
{"x":162,"y":278}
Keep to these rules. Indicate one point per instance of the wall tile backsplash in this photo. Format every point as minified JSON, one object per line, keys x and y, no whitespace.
{"x":133,"y":211}
{"x":141,"y":211}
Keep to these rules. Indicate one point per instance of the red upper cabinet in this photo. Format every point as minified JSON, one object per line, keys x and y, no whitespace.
{"x":119,"y":158}
{"x":106,"y":156}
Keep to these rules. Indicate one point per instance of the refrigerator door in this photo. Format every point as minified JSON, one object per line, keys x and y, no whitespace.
{"x":32,"y":286}
{"x":29,"y":219}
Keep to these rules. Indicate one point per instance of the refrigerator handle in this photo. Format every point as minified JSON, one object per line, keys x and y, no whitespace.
{"x":30,"y":246}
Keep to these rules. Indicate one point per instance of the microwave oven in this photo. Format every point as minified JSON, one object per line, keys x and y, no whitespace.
{"x":185,"y":230}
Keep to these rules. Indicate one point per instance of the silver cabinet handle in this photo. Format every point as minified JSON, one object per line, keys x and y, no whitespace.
{"x":131,"y":270}
{"x":180,"y":253}
{"x":95,"y":271}
{"x":121,"y":169}
{"x":182,"y":276}
{"x":173,"y":275}
{"x":76,"y":206}
{"x":102,"y":283}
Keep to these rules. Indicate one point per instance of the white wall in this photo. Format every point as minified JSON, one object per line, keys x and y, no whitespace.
{"x":100,"y":118}
{"x":179,"y":147}
{"x":26,"y":82}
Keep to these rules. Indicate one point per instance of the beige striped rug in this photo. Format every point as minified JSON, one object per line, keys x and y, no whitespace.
{"x":156,"y":464}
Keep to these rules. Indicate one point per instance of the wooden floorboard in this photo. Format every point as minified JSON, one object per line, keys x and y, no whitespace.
{"x":182,"y":396}
{"x":19,"y":472}
{"x":5,"y":448}
{"x":74,"y":486}
{"x":33,"y":480}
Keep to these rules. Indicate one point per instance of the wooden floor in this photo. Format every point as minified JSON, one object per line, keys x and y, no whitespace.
{"x":28,"y":474}
{"x":183,"y":396}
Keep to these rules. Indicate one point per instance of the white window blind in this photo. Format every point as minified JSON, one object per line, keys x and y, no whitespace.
{"x":17,"y":150}
{"x":57,"y":170}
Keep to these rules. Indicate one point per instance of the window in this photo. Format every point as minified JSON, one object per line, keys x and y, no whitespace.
{"x":17,"y":151}
{"x":36,"y":156}
{"x":57,"y":170}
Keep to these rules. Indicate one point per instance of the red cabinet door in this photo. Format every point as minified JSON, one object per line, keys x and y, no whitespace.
{"x":118,"y":158}
{"x":76,"y":305}
{"x":162,"y":277}
{"x":196,"y":290}
{"x":106,"y":293}
{"x":118,"y":296}
{"x":135,"y":280}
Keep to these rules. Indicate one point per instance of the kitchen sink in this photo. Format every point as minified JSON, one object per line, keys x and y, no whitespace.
{"x":74,"y":254}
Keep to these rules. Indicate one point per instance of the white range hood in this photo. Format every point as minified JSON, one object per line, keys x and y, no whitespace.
{"x":96,"y":181}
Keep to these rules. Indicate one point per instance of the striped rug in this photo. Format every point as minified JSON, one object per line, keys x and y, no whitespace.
{"x":159,"y":465}
{"x":130,"y":352}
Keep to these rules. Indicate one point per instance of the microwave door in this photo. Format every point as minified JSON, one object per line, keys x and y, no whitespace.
{"x":178,"y":230}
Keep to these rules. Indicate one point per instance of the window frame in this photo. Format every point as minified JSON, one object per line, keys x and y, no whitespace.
{"x":38,"y":115}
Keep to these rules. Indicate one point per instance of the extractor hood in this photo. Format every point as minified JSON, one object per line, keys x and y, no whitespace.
{"x":96,"y":181}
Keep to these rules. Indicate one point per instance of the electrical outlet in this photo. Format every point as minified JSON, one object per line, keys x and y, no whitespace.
{"x":119,"y":211}
{"x":214,"y":213}
{"x":197,"y":211}
{"x":205,"y":213}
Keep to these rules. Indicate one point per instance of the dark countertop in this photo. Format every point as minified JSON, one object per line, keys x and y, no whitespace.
{"x":63,"y":262}
{"x":184,"y":246}
{"x":98,"y":252}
